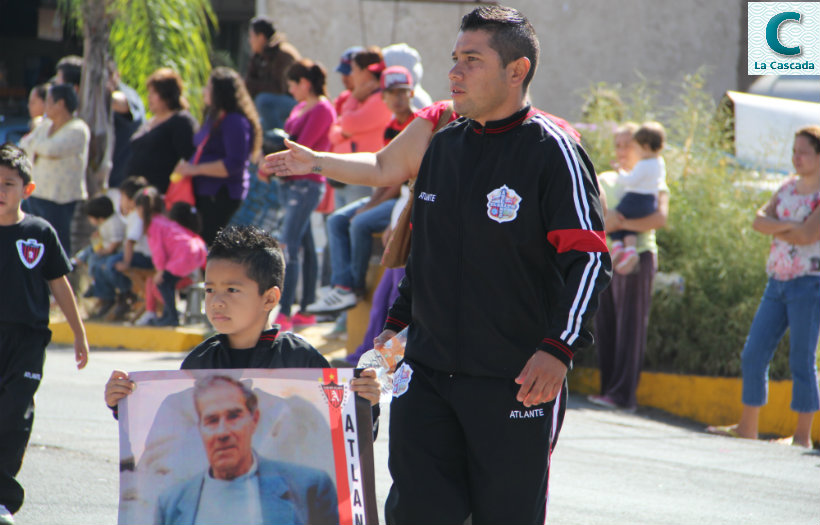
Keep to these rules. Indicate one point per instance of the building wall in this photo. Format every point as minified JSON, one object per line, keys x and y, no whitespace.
{"x":582,"y":41}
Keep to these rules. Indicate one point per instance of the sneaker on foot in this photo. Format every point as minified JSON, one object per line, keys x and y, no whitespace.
{"x":337,"y":300}
{"x":603,"y":401}
{"x":300,"y":319}
{"x":145,"y":319}
{"x":628,"y":261}
{"x":5,"y":516}
{"x":284,"y":321}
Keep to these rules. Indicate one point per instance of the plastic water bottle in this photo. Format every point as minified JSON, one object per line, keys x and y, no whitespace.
{"x":384,"y":361}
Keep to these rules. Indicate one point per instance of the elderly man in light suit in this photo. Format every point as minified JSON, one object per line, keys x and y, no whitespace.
{"x":239,"y":486}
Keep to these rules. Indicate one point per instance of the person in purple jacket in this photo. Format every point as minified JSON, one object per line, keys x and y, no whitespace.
{"x":230,"y":135}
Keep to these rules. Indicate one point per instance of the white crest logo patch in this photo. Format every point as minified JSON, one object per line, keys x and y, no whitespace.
{"x":503,"y":204}
{"x":30,"y":252}
{"x":401,"y":379}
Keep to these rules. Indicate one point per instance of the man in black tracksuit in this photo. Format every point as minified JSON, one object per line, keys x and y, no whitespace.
{"x":507,"y":260}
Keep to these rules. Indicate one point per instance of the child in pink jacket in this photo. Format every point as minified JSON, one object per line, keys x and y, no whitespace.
{"x":176,"y":251}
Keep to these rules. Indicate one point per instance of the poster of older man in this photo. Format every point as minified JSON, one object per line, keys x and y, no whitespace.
{"x":288,"y":446}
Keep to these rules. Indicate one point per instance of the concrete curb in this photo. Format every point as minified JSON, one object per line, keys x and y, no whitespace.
{"x":709,"y":400}
{"x":179,"y":339}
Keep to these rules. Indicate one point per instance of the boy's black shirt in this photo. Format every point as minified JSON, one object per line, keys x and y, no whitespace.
{"x":274,"y":349}
{"x":30,"y":257}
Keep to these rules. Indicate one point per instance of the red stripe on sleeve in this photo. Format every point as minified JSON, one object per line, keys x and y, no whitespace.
{"x":579,"y":240}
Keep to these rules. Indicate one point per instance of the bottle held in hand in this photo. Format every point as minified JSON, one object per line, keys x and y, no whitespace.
{"x":384,"y":360}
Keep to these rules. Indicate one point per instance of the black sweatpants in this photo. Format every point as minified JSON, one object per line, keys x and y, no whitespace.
{"x":22,"y":353}
{"x":462,"y":446}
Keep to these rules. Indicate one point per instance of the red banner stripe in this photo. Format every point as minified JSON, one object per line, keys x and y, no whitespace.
{"x":337,"y":436}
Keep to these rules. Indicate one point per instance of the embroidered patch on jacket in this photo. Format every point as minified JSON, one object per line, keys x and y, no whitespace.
{"x":503,"y":204}
{"x":401,"y":379}
{"x":30,"y":252}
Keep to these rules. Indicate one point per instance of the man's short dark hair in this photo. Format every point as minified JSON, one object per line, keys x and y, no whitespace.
{"x":512,"y":36}
{"x":132,"y":185}
{"x":71,"y":67}
{"x":263,"y":25}
{"x":66,"y":93}
{"x":254,"y":249}
{"x":206,"y":383}
{"x":100,"y":207}
{"x":15,"y":158}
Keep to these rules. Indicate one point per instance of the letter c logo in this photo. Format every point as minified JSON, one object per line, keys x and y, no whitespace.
{"x":771,"y":33}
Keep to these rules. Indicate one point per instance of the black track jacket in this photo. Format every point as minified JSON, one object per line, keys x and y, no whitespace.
{"x":508,"y":253}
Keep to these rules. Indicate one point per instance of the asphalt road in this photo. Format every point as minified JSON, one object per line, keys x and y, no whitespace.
{"x":608,"y":468}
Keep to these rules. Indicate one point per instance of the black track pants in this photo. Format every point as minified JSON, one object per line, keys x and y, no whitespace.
{"x":22,"y":353}
{"x":462,"y":446}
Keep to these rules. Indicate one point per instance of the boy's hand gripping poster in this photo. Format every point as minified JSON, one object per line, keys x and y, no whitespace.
{"x":286,"y":446}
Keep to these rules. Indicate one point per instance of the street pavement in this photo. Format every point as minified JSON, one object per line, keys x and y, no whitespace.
{"x":608,"y":468}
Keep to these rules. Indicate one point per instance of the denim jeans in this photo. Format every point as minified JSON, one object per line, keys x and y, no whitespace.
{"x":108,"y":280}
{"x":273,"y":109}
{"x":168,"y":290}
{"x":261,"y":207}
{"x":299,"y":199}
{"x":58,"y":215}
{"x":350,"y":237}
{"x":793,"y":304}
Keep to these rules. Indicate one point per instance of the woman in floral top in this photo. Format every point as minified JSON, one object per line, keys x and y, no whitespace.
{"x":792,"y":297}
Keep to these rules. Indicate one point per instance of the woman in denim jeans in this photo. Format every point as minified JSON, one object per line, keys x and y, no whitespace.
{"x":309,"y":123}
{"x":792,"y":296}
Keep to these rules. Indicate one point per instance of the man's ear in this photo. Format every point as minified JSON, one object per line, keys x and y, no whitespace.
{"x":272,"y":296}
{"x":518,"y":70}
{"x":28,"y":189}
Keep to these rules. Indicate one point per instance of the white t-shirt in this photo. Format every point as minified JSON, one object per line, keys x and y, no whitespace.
{"x":134,"y":232}
{"x":647,"y":177}
{"x":112,"y":230}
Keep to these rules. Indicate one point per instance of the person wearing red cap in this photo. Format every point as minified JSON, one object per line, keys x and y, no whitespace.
{"x":359,"y":127}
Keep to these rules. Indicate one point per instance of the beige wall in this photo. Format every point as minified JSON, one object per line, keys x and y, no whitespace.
{"x":582,"y":41}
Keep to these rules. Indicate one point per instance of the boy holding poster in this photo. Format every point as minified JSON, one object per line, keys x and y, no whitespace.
{"x":243,"y":283}
{"x":243,"y":276}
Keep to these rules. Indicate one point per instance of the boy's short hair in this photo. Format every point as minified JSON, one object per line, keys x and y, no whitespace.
{"x":132,"y":185}
{"x":100,"y":207}
{"x":253,"y":248}
{"x":14,"y":158}
{"x":651,"y":135}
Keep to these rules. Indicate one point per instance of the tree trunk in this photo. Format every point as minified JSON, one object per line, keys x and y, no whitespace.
{"x":95,"y":107}
{"x":95,"y":111}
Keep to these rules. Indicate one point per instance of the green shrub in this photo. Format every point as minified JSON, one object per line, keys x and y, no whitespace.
{"x":708,"y":240}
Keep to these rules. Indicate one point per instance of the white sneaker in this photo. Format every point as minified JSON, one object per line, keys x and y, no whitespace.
{"x":145,"y":319}
{"x":335,"y":301}
{"x":5,"y":516}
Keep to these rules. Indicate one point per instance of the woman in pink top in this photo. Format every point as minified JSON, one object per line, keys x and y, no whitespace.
{"x":176,"y":251}
{"x":364,"y":116}
{"x":309,"y":123}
